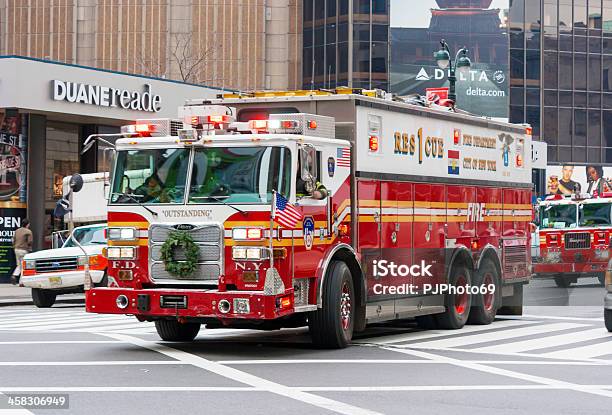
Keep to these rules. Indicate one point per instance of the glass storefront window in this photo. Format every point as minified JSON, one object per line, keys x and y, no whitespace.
{"x":580,"y":69}
{"x":594,"y":72}
{"x":565,"y":127}
{"x":550,"y":129}
{"x":62,"y":158}
{"x":594,"y":138}
{"x":331,"y":8}
{"x":580,"y":14}
{"x":580,"y":128}
{"x":565,"y":16}
{"x":566,"y":73}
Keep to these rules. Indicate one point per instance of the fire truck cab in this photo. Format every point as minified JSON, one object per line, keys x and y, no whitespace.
{"x":575,"y":235}
{"x":417,"y":201}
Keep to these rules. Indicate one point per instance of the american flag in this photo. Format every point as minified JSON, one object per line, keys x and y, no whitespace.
{"x":344,"y":157}
{"x":284,"y":213}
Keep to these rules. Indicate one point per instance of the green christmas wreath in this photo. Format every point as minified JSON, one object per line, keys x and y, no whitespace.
{"x":182,"y":240}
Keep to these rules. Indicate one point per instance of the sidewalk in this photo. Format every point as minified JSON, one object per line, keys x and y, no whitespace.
{"x":15,"y":295}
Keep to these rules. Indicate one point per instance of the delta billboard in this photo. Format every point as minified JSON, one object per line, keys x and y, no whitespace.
{"x":480,"y":25}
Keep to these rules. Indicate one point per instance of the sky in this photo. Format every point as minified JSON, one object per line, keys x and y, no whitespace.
{"x":416,"y":13}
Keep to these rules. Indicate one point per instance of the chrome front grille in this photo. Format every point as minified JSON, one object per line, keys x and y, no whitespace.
{"x":578,"y":240}
{"x":209,"y":239}
{"x":56,"y":264}
{"x":515,"y":259}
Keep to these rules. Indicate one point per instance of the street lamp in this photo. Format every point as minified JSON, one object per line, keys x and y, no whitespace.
{"x":462,"y":64}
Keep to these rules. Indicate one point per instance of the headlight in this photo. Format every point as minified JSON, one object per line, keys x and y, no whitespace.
{"x":29,"y":264}
{"x":255,"y":253}
{"x":121,"y":252}
{"x":247,"y":234}
{"x":121,"y":234}
{"x":81,"y":261}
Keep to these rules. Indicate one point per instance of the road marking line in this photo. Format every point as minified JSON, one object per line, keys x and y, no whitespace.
{"x":439,"y":388}
{"x":246,"y":378}
{"x":67,"y":322}
{"x":39,"y":317}
{"x":503,"y":372}
{"x":549,"y":341}
{"x":553,"y":318}
{"x":11,"y":389}
{"x":61,"y":342}
{"x":586,"y":352}
{"x":406,"y":361}
{"x":429,"y":334}
{"x":96,"y":363}
{"x":494,"y":335}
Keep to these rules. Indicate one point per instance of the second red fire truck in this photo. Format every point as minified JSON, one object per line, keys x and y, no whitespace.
{"x":574,"y":238}
{"x":382,"y":211}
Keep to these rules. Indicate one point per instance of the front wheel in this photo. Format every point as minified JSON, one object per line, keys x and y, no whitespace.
{"x":331,"y":326}
{"x":563,"y":282}
{"x":457,"y":304}
{"x":602,"y":279}
{"x":173,"y":331}
{"x":43,"y":298}
{"x":608,"y":319}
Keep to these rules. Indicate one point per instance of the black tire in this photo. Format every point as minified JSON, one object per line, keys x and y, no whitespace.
{"x":563,"y":282}
{"x":513,"y":305}
{"x":608,"y":319}
{"x":484,"y":307}
{"x":427,"y":322}
{"x":173,"y":331}
{"x":602,"y":279}
{"x":456,"y":313}
{"x":331,"y":326}
{"x":43,"y":298}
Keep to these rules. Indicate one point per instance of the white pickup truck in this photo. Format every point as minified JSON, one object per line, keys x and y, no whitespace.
{"x":62,"y":271}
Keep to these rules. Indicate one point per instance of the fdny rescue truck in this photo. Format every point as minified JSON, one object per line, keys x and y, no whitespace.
{"x":574,"y":236}
{"x":373,"y":185}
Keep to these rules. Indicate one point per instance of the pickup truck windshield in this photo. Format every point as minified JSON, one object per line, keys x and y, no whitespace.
{"x":595,"y":214}
{"x":559,"y":216}
{"x":239,"y":174}
{"x":150,"y":176}
{"x":86,"y":236}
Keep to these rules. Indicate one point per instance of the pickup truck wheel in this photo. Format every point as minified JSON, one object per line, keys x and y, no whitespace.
{"x":43,"y":298}
{"x":173,"y":331}
{"x":104,"y":281}
{"x":484,"y":306}
{"x":608,"y":319}
{"x":562,"y":282}
{"x":332,"y":325}
{"x":457,"y":305}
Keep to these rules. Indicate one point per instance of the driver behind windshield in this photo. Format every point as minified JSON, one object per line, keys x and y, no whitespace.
{"x":150,"y":190}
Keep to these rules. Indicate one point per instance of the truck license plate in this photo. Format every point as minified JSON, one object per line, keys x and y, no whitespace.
{"x":55,"y":281}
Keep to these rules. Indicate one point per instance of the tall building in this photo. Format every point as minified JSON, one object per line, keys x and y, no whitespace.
{"x":561,"y":76}
{"x":344,"y":45}
{"x":233,"y":44}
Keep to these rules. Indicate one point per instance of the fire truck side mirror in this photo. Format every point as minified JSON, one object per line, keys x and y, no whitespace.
{"x":308,"y":163}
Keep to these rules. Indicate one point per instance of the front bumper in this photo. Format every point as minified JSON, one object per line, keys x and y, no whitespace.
{"x":67,"y":279}
{"x":544,"y":270}
{"x":198,"y":303}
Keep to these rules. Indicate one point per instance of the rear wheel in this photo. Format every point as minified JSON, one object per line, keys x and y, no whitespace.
{"x":173,"y":331}
{"x":562,"y":282}
{"x":457,"y":304}
{"x":332,"y":325}
{"x":485,"y":305}
{"x":43,"y":298}
{"x":608,"y":319}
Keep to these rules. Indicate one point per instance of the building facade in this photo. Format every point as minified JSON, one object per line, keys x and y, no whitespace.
{"x":233,"y":44}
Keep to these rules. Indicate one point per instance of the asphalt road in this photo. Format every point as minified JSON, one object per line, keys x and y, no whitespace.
{"x":556,"y":359}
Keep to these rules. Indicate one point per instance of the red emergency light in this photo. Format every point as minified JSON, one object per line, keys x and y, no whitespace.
{"x":373,"y":143}
{"x":143,"y":130}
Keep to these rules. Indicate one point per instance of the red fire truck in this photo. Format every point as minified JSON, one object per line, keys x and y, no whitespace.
{"x":574,"y":235}
{"x":383,"y":210}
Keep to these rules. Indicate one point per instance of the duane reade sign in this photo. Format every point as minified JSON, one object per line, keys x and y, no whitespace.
{"x":106,"y":97}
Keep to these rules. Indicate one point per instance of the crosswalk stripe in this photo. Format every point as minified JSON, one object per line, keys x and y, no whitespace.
{"x":495,"y":335}
{"x":66,"y":321}
{"x":429,"y":334}
{"x":113,"y":327}
{"x":583,"y":352}
{"x":549,"y":341}
{"x":69,"y":325}
{"x":41,"y":316}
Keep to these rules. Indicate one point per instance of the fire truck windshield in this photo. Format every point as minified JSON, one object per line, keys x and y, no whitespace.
{"x":150,"y":176}
{"x":559,"y":216}
{"x":239,"y":174}
{"x":595,"y":214}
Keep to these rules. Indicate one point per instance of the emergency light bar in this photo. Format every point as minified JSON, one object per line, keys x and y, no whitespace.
{"x":144,"y":130}
{"x":270,"y":125}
